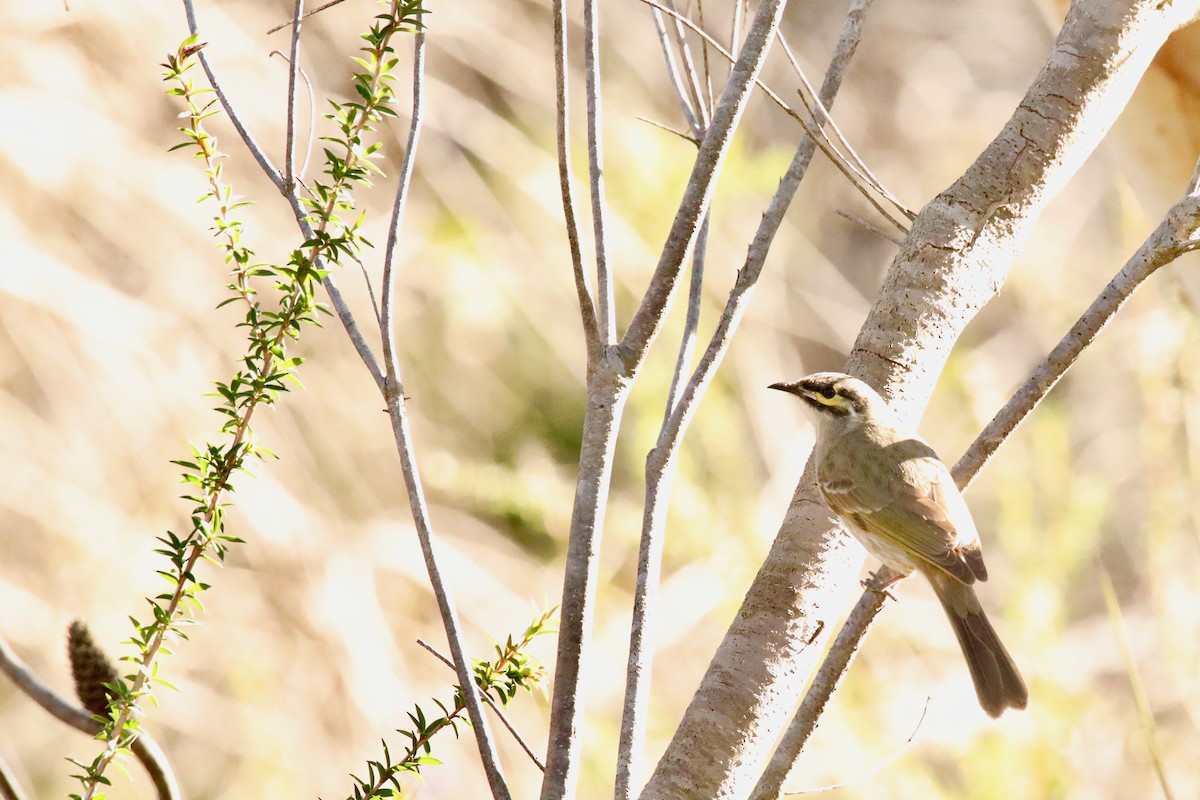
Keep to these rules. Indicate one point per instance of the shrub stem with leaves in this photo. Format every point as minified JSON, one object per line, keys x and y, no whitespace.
{"x":266,"y":366}
{"x":499,"y":679}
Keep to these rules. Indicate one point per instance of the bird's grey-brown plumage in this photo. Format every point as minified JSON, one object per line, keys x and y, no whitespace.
{"x":902,"y":504}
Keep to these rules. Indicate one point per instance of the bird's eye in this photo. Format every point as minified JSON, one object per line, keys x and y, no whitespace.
{"x":828,"y":393}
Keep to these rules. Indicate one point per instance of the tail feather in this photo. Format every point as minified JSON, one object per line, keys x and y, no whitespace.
{"x":997,"y":681}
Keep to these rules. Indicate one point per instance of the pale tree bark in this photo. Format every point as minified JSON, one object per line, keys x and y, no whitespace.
{"x":953,"y":261}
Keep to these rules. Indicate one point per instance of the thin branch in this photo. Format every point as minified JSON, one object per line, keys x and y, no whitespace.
{"x":689,"y":67}
{"x":825,"y":682}
{"x":312,"y":116}
{"x":708,"y":84}
{"x":660,"y":465}
{"x":871,"y":226}
{"x":875,"y":770}
{"x":9,"y":789}
{"x":648,"y":319}
{"x":685,"y":101}
{"x":1133,"y":674}
{"x":1174,"y":236}
{"x":397,"y":413}
{"x":145,"y":749}
{"x":817,"y":109}
{"x":856,"y":178}
{"x":289,"y":174}
{"x":609,"y":382}
{"x":595,"y":142}
{"x":661,"y":461}
{"x":316,"y":10}
{"x":537,"y":762}
{"x":251,"y":144}
{"x":635,"y":715}
{"x":587,"y":308}
{"x":687,"y":137}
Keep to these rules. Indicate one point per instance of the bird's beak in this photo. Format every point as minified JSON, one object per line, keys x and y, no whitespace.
{"x":790,"y":388}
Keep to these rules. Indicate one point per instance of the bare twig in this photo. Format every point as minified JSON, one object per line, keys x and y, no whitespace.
{"x":687,"y":137}
{"x":703,"y":108}
{"x":648,"y":318}
{"x":1133,"y":674}
{"x":875,"y":769}
{"x":316,"y":10}
{"x":814,"y":106}
{"x":587,"y":308}
{"x":871,"y":226}
{"x":685,"y":101}
{"x":230,"y":111}
{"x":289,"y":165}
{"x":1174,"y":236}
{"x":397,"y":413}
{"x":312,"y":117}
{"x":828,"y":678}
{"x":637,"y":681}
{"x":856,"y":178}
{"x":145,"y":749}
{"x":9,"y":789}
{"x":492,"y":705}
{"x":595,"y":141}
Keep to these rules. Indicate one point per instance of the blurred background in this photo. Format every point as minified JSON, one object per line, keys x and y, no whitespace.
{"x":306,"y":655}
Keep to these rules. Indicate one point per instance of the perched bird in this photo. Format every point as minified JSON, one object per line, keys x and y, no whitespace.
{"x":900,"y":501}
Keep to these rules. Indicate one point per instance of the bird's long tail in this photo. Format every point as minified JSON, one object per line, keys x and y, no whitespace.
{"x":997,"y":681}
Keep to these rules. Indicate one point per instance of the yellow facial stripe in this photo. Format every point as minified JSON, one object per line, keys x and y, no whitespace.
{"x":836,"y":400}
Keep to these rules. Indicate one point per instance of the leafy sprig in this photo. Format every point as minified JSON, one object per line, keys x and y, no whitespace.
{"x":499,"y":679}
{"x":265,"y":369}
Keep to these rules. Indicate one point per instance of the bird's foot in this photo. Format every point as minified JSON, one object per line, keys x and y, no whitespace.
{"x":880,"y":585}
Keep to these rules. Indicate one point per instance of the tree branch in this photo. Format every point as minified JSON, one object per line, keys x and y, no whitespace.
{"x":595,"y":139}
{"x":954,"y":260}
{"x":587,"y":308}
{"x":397,"y":413}
{"x":289,"y":166}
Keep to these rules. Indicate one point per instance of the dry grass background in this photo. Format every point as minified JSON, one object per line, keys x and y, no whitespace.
{"x":305,"y":658}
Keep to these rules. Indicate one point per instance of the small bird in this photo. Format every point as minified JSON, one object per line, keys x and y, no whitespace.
{"x":901,"y":502}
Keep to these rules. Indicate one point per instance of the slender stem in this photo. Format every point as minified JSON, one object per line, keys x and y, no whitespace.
{"x":685,"y":102}
{"x":316,"y":10}
{"x":660,"y":465}
{"x":595,"y":141}
{"x":857,"y":179}
{"x":251,"y":143}
{"x":537,"y":762}
{"x":1175,"y":235}
{"x":607,"y":392}
{"x":9,"y":790}
{"x":587,"y":309}
{"x":289,"y":175}
{"x":145,"y":749}
{"x":335,"y":296}
{"x":689,"y":66}
{"x":648,"y":319}
{"x":394,"y":395}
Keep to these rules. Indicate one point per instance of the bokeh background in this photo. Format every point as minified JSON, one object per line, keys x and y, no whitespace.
{"x":305,"y":658}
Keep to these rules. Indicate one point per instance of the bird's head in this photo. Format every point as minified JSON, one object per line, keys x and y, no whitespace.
{"x":836,"y":398}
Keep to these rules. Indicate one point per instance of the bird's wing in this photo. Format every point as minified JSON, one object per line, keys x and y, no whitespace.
{"x":912,"y":504}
